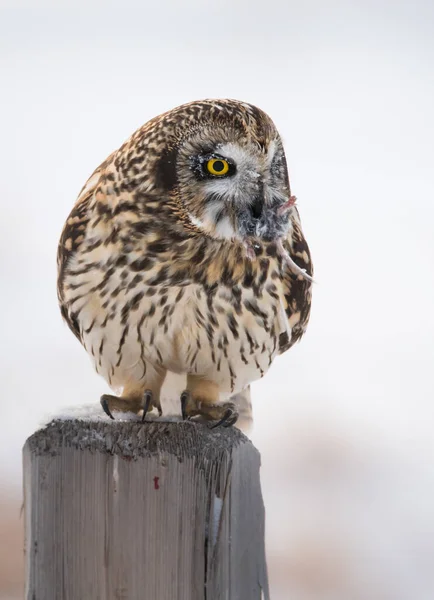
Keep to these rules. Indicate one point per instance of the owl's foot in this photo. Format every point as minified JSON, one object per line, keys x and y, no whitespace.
{"x":227,"y":412}
{"x":110,"y":403}
{"x":224,"y":414}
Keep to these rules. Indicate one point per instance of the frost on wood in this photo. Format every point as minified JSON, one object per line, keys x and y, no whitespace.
{"x":157,"y":510}
{"x":93,"y":413}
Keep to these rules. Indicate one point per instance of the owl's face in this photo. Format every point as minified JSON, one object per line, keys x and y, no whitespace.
{"x":231,"y":174}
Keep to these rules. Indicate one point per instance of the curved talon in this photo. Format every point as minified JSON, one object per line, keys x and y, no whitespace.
{"x":231,"y":421}
{"x":229,"y":418}
{"x":105,"y":407}
{"x":185,"y":397}
{"x":148,"y":399}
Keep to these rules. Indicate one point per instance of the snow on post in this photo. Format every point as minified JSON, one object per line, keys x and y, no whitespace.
{"x":120,"y":510}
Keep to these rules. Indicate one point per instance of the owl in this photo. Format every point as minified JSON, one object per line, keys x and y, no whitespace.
{"x":184,"y":253}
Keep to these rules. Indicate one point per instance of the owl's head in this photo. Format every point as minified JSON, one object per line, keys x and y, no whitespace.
{"x":224,"y":163}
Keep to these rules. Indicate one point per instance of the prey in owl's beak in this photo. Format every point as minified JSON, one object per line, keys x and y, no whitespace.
{"x":268,"y":221}
{"x":270,"y":231}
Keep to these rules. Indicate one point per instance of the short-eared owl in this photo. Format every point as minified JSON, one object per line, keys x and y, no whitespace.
{"x":184,"y":253}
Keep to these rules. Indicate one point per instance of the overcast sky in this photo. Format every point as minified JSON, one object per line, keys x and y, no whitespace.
{"x":350,"y":86}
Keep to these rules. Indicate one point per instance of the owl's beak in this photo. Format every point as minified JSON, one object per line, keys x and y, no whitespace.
{"x":249,"y":219}
{"x":256,"y":208}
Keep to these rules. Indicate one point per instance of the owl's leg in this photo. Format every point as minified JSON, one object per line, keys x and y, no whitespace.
{"x":136,"y":398}
{"x":243,"y":402}
{"x":201,"y":398}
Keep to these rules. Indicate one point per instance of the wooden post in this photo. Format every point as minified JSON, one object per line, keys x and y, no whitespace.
{"x":122,"y":510}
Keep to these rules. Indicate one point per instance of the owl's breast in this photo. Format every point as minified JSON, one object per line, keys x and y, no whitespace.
{"x":232,"y":335}
{"x":228,"y":334}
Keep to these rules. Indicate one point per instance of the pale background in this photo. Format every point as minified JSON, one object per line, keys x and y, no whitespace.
{"x":344,"y":421}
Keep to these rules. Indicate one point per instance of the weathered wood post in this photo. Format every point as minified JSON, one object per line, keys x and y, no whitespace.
{"x":122,"y":510}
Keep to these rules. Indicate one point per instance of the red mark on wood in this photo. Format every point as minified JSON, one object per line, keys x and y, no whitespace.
{"x":156,"y":486}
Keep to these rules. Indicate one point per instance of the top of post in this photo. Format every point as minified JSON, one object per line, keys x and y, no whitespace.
{"x":134,"y":439}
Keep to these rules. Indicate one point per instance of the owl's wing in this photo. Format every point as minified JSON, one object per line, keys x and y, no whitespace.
{"x":297,"y":290}
{"x":71,"y":237}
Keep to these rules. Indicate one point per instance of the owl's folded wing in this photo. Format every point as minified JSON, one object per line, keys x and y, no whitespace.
{"x":297,"y":289}
{"x":72,"y":236}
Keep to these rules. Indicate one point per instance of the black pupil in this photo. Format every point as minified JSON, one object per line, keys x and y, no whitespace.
{"x":218,"y":165}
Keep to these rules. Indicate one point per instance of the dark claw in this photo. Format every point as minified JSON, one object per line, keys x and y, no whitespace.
{"x":148,"y":399}
{"x":231,"y":421}
{"x":160,"y":411}
{"x":105,"y":407}
{"x":229,"y":418}
{"x":185,"y":396}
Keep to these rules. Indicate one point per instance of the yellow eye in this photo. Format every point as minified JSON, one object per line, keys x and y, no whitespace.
{"x":217,"y":166}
